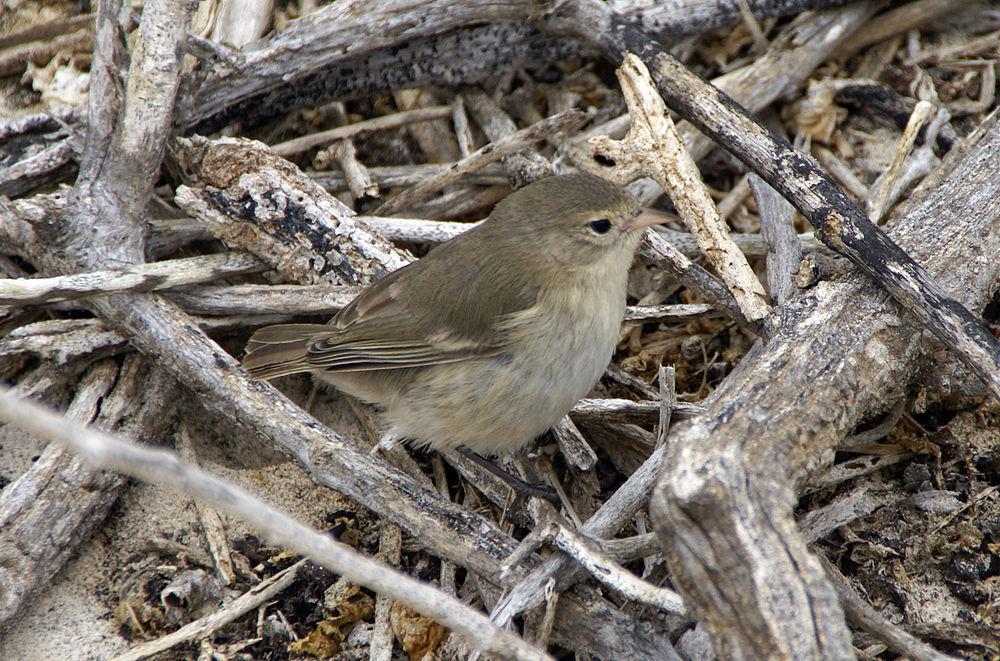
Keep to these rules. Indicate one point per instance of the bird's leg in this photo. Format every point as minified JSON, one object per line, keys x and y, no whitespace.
{"x":520,"y":487}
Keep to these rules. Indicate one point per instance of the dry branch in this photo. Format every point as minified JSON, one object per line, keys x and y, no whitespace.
{"x":205,"y":626}
{"x":803,"y":45}
{"x":146,"y":277}
{"x":159,"y":329}
{"x":723,"y":505}
{"x":784,"y":251}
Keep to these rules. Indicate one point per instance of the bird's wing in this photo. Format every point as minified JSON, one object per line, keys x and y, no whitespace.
{"x":378,"y":330}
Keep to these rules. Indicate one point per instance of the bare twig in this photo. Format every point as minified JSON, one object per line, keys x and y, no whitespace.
{"x":165,"y":469}
{"x":878,"y":203}
{"x":49,"y":511}
{"x":522,"y":167}
{"x":573,"y":445}
{"x":668,"y":399}
{"x":306,"y":142}
{"x":380,"y":648}
{"x":287,"y":209}
{"x":211,"y":522}
{"x":727,"y":487}
{"x":205,"y":626}
{"x":599,"y":565}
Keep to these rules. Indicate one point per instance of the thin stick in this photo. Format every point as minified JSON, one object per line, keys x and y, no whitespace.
{"x":573,"y":445}
{"x":585,"y":552}
{"x":205,"y":626}
{"x":144,"y":277}
{"x":163,"y":468}
{"x":883,"y":187}
{"x":840,"y":223}
{"x":463,"y":134}
{"x":564,"y":121}
{"x":306,"y":142}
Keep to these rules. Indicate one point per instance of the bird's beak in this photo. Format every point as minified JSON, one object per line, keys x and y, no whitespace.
{"x":646,"y":218}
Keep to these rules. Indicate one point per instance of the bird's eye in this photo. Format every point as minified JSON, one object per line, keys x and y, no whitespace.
{"x":600,"y":226}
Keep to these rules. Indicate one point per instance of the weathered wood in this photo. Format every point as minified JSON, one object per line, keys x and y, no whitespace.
{"x":147,"y":277}
{"x":723,"y":506}
{"x":253,"y":199}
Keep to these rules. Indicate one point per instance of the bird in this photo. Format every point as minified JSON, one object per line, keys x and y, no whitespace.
{"x":492,"y":337}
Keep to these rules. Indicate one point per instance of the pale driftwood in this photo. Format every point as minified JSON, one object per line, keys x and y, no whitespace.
{"x":14,"y":60}
{"x":897,"y":21}
{"x":840,"y":223}
{"x":253,"y":199}
{"x":211,"y":523}
{"x":45,"y":166}
{"x":237,"y":23}
{"x":306,"y":142}
{"x":330,"y":56}
{"x":53,"y":508}
{"x":163,"y":468}
{"x":145,"y":277}
{"x":920,"y":162}
{"x":161,"y":330}
{"x":653,"y":148}
{"x":611,"y":516}
{"x":63,"y":341}
{"x":784,"y":252}
{"x":663,"y":254}
{"x":564,"y":121}
{"x":668,"y":399}
{"x":460,"y":120}
{"x":626,"y":410}
{"x":359,"y":181}
{"x":843,"y":337}
{"x":168,"y":235}
{"x":667,"y":313}
{"x":630,"y":548}
{"x":291,"y":300}
{"x":678,"y":17}
{"x":205,"y":626}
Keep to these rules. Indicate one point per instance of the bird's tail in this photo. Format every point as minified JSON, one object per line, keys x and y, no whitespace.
{"x":281,"y":350}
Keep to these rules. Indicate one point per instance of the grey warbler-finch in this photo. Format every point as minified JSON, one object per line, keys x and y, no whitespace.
{"x":492,"y":337}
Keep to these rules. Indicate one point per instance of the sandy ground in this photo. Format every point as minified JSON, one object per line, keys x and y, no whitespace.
{"x":74,"y":618}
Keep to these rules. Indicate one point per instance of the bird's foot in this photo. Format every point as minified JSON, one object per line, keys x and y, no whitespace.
{"x":521,"y":488}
